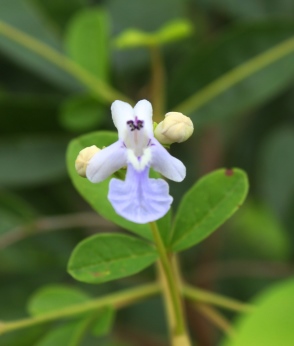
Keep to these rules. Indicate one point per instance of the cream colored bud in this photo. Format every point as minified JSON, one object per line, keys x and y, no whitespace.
{"x":176,"y":127}
{"x":83,"y":159}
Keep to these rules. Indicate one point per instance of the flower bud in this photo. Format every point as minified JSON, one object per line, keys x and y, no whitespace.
{"x":176,"y":127}
{"x":83,"y":159}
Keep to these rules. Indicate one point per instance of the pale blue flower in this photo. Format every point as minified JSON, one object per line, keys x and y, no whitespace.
{"x":138,"y":198}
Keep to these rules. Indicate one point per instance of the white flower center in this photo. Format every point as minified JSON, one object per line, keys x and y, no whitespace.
{"x":137,"y":142}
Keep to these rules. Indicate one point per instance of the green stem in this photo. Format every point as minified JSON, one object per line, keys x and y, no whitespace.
{"x":197,"y":295}
{"x":157,"y":84}
{"x":118,"y":300}
{"x":216,"y":318}
{"x":236,"y":75}
{"x":52,"y":223}
{"x":98,"y":87}
{"x":174,"y":293}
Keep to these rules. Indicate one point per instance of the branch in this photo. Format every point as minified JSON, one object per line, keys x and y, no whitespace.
{"x":117,"y":300}
{"x":53,"y":223}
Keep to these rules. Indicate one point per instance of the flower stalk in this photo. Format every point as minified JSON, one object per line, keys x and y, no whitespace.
{"x":157,"y":83}
{"x":174,"y":308}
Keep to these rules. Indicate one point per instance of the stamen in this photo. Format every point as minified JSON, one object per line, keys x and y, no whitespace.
{"x":135,"y":125}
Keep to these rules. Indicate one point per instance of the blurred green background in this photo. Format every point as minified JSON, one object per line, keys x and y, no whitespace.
{"x":238,"y":70}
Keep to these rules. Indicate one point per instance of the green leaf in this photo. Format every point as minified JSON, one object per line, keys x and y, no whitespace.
{"x":164,"y":226}
{"x":254,"y":63}
{"x":170,"y":32}
{"x":174,"y":31}
{"x":271,"y":322}
{"x":31,"y":160}
{"x":55,"y":297}
{"x":20,"y":14}
{"x":81,"y":113}
{"x":96,"y":194}
{"x":69,"y":334}
{"x":104,"y":321}
{"x":105,"y":257}
{"x":207,"y":205}
{"x":276,"y":170}
{"x":86,"y":41}
{"x":14,"y":211}
{"x":255,"y":231}
{"x":132,"y":38}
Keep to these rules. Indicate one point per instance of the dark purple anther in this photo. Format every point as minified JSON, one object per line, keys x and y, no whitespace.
{"x":135,"y":125}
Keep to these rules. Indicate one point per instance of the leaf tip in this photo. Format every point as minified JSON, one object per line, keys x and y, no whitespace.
{"x":229,"y":172}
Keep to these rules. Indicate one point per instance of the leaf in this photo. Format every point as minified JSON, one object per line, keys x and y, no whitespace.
{"x":255,"y":231}
{"x":208,"y":204}
{"x":103,"y":322}
{"x":164,"y":226}
{"x":133,"y":38}
{"x":172,"y":31}
{"x":55,"y":297}
{"x":271,"y":322}
{"x":81,"y":113}
{"x":245,"y":67}
{"x":31,"y":160}
{"x":96,"y":194}
{"x":123,"y":18}
{"x":86,"y":41}
{"x":14,"y":211}
{"x":105,"y":257}
{"x":276,"y":170}
{"x":30,"y":22}
{"x":69,"y":334}
{"x":21,"y":113}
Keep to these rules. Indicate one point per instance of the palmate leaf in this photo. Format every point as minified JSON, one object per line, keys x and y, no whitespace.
{"x":109,"y":256}
{"x":208,"y":204}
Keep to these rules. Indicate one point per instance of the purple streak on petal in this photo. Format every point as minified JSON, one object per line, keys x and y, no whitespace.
{"x":139,"y":198}
{"x":143,"y":111}
{"x":106,"y":162}
{"x":164,"y":163}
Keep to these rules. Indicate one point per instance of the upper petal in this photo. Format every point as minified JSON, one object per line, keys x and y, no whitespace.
{"x":143,"y":110}
{"x":121,"y":113}
{"x":166,"y":164}
{"x":106,"y":162}
{"x":138,"y":198}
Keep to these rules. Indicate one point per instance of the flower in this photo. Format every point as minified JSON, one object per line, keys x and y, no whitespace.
{"x":138,"y":198}
{"x":83,"y":159}
{"x":176,"y":127}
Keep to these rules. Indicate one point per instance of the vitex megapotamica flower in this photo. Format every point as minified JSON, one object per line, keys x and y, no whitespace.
{"x":138,"y":198}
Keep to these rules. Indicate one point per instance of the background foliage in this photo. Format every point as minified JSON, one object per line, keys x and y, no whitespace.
{"x":233,"y":75}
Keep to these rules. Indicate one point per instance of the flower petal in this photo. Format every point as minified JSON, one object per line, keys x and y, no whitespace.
{"x":139,"y":198}
{"x":143,"y":110}
{"x":106,"y":162}
{"x":166,"y":164}
{"x":121,"y":113}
